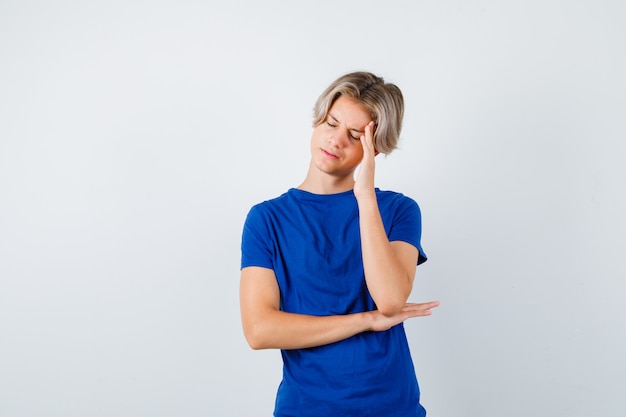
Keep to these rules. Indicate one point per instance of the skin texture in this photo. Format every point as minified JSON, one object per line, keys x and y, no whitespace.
{"x":338,"y":145}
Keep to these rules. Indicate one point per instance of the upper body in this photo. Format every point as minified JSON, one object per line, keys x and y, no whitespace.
{"x":312,"y":244}
{"x":328,"y":267}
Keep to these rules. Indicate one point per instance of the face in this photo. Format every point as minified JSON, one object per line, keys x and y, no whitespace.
{"x":336,"y":145}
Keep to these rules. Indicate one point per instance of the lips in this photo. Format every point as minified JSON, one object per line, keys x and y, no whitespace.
{"x":329,"y":155}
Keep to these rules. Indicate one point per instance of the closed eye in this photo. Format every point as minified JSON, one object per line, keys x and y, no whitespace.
{"x":332,"y":122}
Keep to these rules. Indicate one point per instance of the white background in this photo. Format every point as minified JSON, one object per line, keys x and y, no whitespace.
{"x":135,"y":135}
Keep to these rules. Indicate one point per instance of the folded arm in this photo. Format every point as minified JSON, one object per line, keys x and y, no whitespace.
{"x":266,"y":326}
{"x":389,"y":266}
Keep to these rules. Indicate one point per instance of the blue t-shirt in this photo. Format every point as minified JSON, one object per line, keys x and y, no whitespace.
{"x":312,"y":243}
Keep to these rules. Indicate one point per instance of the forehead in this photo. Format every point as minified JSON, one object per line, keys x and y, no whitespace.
{"x":350,"y":112}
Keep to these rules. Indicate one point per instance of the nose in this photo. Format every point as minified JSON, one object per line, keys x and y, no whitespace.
{"x":338,"y":138}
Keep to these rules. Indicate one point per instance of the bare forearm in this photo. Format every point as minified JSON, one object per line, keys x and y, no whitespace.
{"x":265,"y":326}
{"x":280,"y":330}
{"x":387,"y":279}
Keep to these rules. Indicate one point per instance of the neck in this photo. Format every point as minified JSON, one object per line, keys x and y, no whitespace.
{"x":318,"y":182}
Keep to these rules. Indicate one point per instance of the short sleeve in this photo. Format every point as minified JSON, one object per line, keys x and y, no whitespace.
{"x":407,"y":225}
{"x":256,"y":247}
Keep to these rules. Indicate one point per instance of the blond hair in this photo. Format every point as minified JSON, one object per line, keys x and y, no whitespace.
{"x":383,"y":100}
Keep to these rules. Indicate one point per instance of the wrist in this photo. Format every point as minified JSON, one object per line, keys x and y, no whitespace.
{"x":368,"y":321}
{"x":365,"y":196}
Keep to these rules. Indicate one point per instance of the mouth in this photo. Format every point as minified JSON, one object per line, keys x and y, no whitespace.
{"x":329,"y":155}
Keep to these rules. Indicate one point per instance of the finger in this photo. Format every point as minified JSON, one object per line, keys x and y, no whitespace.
{"x":418,"y":313}
{"x":429,"y":303}
{"x":368,"y":137}
{"x":422,"y":306}
{"x":367,"y":143}
{"x":369,"y":132}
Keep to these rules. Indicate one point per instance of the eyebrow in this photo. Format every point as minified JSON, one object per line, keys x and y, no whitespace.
{"x":354,"y":129}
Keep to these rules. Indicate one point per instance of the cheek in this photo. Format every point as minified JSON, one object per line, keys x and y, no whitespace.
{"x":315,"y":137}
{"x":318,"y":133}
{"x":357,"y":152}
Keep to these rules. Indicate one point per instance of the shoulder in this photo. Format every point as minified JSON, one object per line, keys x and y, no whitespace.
{"x":396,"y":200}
{"x":271,"y":202}
{"x":269,"y":208}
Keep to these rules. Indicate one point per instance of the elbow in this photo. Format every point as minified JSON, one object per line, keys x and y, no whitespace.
{"x":390,"y":300}
{"x":255,"y":338}
{"x":255,"y":346}
{"x":391,"y":304}
{"x":390,"y":309}
{"x":259,"y":329}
